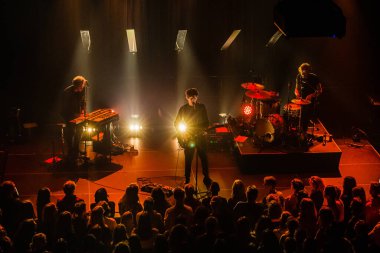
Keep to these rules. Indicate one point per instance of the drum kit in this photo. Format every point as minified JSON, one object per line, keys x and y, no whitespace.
{"x":268,"y":125}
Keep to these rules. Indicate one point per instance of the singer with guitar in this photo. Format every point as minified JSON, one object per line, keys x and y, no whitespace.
{"x":309,"y":87}
{"x":194,"y":116}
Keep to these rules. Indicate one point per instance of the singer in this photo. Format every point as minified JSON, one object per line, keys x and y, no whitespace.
{"x":73,"y":104}
{"x":309,"y":87}
{"x":194,"y":116}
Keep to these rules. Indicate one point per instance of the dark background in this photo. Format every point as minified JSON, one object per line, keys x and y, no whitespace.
{"x":41,"y":52}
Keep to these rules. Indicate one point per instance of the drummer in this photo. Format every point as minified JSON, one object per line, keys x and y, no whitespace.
{"x":309,"y":87}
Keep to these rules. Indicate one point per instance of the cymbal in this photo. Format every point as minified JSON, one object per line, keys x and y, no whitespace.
{"x":291,"y":107}
{"x":252,"y":86}
{"x":274,"y":94}
{"x":258,"y":94}
{"x":301,"y":101}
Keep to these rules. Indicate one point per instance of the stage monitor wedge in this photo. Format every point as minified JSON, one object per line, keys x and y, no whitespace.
{"x":309,"y":18}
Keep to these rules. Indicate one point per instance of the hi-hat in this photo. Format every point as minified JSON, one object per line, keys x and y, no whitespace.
{"x":258,"y":94}
{"x":252,"y":86}
{"x":301,"y":101}
{"x":292,"y":107}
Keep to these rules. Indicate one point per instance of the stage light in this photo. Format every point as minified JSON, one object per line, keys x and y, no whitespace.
{"x":134,"y":124}
{"x":276,"y":36}
{"x":131,"y":40}
{"x":180,"y":42}
{"x":230,"y":39}
{"x":86,"y":39}
{"x":223,"y":116}
{"x":135,"y":127}
{"x":89,"y":129}
{"x":182,"y":127}
{"x":247,"y":109}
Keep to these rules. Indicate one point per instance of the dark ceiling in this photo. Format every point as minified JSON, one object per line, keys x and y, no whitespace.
{"x":40,"y":52}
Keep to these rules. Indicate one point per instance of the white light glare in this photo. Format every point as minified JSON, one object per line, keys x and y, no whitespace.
{"x":135,"y":127}
{"x":89,"y":129}
{"x":182,"y":127}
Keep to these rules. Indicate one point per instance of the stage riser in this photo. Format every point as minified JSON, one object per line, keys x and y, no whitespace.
{"x":285,"y":163}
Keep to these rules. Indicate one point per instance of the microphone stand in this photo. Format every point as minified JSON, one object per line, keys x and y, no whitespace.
{"x":85,"y":158}
{"x":288,"y":108}
{"x":314,"y":113}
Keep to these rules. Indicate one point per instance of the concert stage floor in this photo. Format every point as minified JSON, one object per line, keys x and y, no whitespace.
{"x":287,"y":155}
{"x":159,"y":160}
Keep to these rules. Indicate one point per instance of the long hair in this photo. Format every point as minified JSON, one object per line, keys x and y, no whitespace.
{"x":238,"y":190}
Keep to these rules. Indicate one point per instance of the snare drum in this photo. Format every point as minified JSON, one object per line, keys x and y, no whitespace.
{"x":292,"y":110}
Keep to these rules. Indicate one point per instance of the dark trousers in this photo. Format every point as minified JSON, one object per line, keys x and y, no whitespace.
{"x":308,"y":113}
{"x":72,"y":136}
{"x":201,"y":147}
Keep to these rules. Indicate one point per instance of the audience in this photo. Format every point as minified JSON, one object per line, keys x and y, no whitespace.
{"x":43,"y":198}
{"x":102,"y":195}
{"x":270,"y":189}
{"x":67,"y":202}
{"x":237,"y":193}
{"x":299,"y":223}
{"x":348,"y":184}
{"x":190,"y":199}
{"x":130,"y":201}
{"x":317,"y":189}
{"x":250,"y":208}
{"x":155,"y":217}
{"x":178,"y":210}
{"x":335,"y":204}
{"x":213,"y":190}
{"x":372,"y":207}
{"x":160,"y":203}
{"x":292,"y":201}
{"x":127,"y":220}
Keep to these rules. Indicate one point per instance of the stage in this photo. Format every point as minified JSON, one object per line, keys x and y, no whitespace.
{"x":160,"y":160}
{"x":288,"y":154}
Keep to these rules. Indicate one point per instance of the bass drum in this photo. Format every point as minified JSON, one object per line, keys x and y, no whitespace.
{"x":269,"y":129}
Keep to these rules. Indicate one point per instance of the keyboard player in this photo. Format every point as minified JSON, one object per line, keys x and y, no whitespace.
{"x":73,"y":104}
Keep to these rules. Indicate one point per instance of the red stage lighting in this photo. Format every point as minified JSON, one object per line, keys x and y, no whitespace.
{"x":247,"y":109}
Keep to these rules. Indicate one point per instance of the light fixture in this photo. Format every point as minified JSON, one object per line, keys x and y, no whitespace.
{"x":131,"y":40}
{"x":230,"y":39}
{"x":86,"y":39}
{"x":247,"y":109}
{"x":276,"y":36}
{"x":180,"y":42}
{"x":135,"y":125}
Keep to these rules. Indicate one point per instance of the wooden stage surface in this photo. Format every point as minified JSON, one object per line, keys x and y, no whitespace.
{"x":160,"y":161}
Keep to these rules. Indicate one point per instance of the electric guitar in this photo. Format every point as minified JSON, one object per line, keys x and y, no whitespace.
{"x":190,"y":138}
